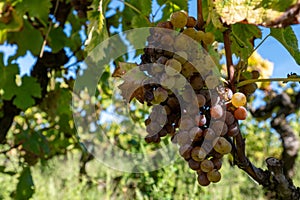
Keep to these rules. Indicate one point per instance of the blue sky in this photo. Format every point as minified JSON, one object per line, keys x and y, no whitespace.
{"x":270,"y":49}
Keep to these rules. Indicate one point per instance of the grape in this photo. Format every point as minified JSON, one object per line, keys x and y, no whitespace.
{"x":196,"y":82}
{"x":179,"y":19}
{"x":167,"y":40}
{"x":181,"y":56}
{"x":181,"y":43}
{"x":195,"y":134}
{"x":233,"y":129}
{"x":238,"y":99}
{"x":201,"y":119}
{"x":160,"y":95}
{"x":209,"y":134}
{"x":186,"y":123}
{"x":163,"y":132}
{"x":191,"y":32}
{"x":212,"y":81}
{"x":201,"y":100}
{"x":180,"y":82}
{"x":185,"y":151}
{"x":222,"y":146}
{"x":249,"y":88}
{"x":166,"y":24}
{"x":219,"y":127}
{"x":173,"y":67}
{"x":255,"y":74}
{"x":229,"y":118}
{"x":182,"y":138}
{"x":152,"y":138}
{"x":214,"y":176}
{"x":167,"y":81}
{"x":194,"y":165}
{"x":206,"y":165}
{"x":240,"y":113}
{"x":198,"y":153}
{"x":216,"y":112}
{"x":162,"y":60}
{"x":199,"y":36}
{"x":217,"y":163}
{"x":187,"y":69}
{"x":191,"y":22}
{"x":208,"y":38}
{"x":202,"y":179}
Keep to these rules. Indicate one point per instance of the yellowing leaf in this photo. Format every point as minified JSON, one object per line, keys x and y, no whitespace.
{"x":254,"y":12}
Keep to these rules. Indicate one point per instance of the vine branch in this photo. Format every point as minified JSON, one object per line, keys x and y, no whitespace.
{"x":249,"y":81}
{"x":229,"y":62}
{"x":200,"y":20}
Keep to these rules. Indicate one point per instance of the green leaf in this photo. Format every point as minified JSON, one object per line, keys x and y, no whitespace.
{"x":28,"y":39}
{"x":57,"y":39}
{"x":36,"y":8}
{"x":25,"y":187}
{"x":242,"y":37}
{"x":8,"y":83}
{"x":26,"y":92}
{"x":288,"y":39}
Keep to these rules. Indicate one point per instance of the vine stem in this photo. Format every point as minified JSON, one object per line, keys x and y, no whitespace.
{"x":246,"y":82}
{"x":229,"y":62}
{"x":200,"y":20}
{"x":49,"y":30}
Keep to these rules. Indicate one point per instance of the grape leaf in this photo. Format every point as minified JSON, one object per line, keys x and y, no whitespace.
{"x":36,"y":8}
{"x":289,"y":40}
{"x":25,"y":187}
{"x":27,"y":39}
{"x":26,"y":92}
{"x":242,"y":37}
{"x":8,"y":83}
{"x":57,"y":39}
{"x":251,"y":12}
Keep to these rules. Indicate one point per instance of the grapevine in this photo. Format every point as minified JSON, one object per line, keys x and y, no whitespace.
{"x":201,"y":113}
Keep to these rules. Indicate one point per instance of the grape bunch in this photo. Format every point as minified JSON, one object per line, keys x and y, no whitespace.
{"x":188,"y":101}
{"x":81,"y":6}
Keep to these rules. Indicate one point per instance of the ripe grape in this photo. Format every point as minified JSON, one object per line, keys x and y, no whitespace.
{"x":185,"y":151}
{"x":201,"y":100}
{"x":208,"y":38}
{"x":212,"y":81}
{"x":222,"y":146}
{"x":214,"y":176}
{"x":194,"y":165}
{"x":240,"y":113}
{"x":181,"y":43}
{"x":195,"y":133}
{"x":191,"y":32}
{"x":216,"y":112}
{"x":238,"y":99}
{"x":206,"y":165}
{"x":198,"y":153}
{"x":229,"y":118}
{"x":166,"y":24}
{"x":217,"y":163}
{"x":219,"y":127}
{"x":179,"y":19}
{"x":202,"y":179}
{"x":255,"y":74}
{"x":191,"y":22}
{"x":160,"y":95}
{"x":196,"y":82}
{"x":173,"y":67}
